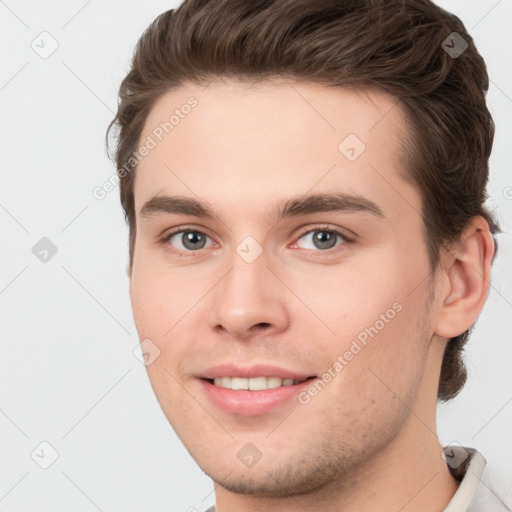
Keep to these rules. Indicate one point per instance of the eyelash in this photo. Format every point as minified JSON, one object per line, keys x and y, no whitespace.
{"x":189,"y":254}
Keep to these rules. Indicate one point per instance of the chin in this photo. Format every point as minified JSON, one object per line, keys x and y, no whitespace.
{"x":290,"y":479}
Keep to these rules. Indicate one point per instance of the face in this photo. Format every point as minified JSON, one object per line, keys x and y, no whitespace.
{"x":284,"y":252}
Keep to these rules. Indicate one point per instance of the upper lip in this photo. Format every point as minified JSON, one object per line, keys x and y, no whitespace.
{"x":255,"y":370}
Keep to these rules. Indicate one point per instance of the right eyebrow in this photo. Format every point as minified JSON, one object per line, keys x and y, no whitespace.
{"x":176,"y":205}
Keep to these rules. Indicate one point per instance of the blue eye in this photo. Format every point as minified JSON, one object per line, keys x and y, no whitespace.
{"x":185,"y":242}
{"x":190,"y":240}
{"x":323,"y":239}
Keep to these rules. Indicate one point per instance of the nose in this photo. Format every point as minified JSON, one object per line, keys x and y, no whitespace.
{"x":249,"y":300}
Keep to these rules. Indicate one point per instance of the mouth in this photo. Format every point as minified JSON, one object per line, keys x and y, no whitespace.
{"x":253,"y":393}
{"x":255,"y":383}
{"x":253,"y":390}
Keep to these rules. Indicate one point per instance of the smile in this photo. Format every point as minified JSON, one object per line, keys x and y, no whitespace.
{"x":254,"y":383}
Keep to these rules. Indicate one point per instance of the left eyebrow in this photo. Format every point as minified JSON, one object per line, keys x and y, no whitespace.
{"x":293,"y":207}
{"x":317,"y":203}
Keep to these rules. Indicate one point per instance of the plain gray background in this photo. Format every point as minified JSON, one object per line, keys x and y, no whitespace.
{"x":69,"y":376}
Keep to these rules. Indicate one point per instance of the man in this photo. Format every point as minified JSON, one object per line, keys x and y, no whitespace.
{"x":304,"y":183}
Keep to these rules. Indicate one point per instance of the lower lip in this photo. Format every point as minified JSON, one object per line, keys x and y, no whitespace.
{"x":251,"y":403}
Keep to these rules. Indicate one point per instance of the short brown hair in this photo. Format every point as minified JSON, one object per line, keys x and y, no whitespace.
{"x":400,"y":46}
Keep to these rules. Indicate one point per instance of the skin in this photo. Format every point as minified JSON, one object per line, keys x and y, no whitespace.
{"x":368,"y":440}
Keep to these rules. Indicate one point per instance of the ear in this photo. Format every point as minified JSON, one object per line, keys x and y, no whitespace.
{"x":467,"y":275}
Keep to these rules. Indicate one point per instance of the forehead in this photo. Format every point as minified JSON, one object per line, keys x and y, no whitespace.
{"x":234,"y":142}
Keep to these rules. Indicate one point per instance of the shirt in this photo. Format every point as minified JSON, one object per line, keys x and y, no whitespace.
{"x":479,"y":490}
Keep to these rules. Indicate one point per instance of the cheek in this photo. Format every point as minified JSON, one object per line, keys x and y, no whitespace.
{"x":377,"y":297}
{"x":159,"y":299}
{"x":382,"y":379}
{"x":165,"y":309}
{"x":351,"y":304}
{"x":379,"y":330}
{"x":377,"y":387}
{"x":157,"y":309}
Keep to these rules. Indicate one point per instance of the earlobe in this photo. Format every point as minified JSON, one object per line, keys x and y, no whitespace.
{"x":468,"y":275}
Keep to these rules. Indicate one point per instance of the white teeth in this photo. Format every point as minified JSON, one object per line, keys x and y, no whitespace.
{"x":274,"y":382}
{"x":239,"y":383}
{"x":253,"y":383}
{"x":257,"y":383}
{"x":223,"y":382}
